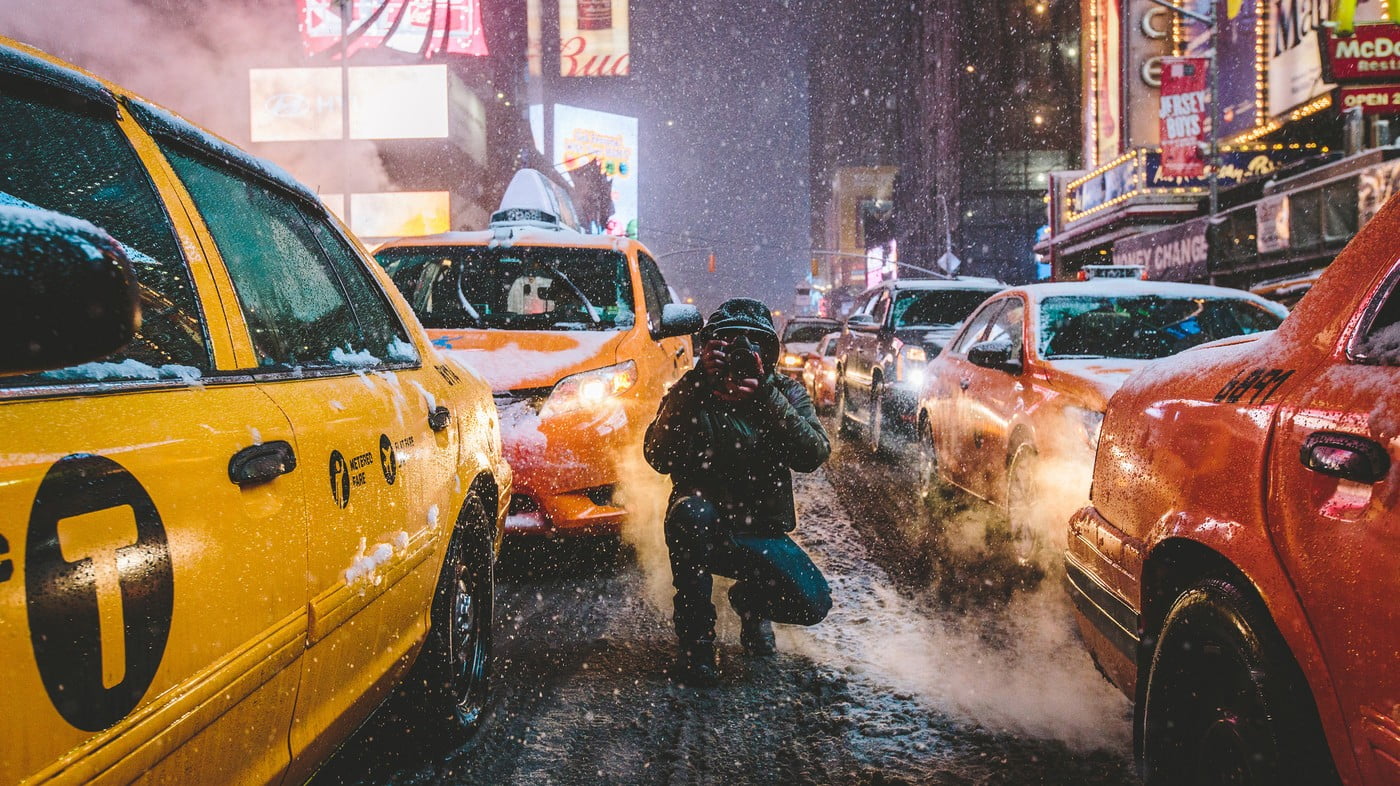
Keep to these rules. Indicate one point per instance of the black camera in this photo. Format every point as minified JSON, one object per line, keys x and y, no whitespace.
{"x":744,"y":360}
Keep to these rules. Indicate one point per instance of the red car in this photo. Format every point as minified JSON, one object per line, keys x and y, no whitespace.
{"x":819,"y":373}
{"x":1237,"y":572}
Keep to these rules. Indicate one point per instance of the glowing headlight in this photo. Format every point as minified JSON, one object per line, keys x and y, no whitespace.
{"x":916,"y":354}
{"x":1091,"y":421}
{"x":915,"y":377}
{"x":589,"y":389}
{"x":911,"y":365}
{"x":791,"y":361}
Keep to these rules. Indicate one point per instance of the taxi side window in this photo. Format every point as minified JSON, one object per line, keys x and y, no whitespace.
{"x":296,"y":307}
{"x":378,"y":320}
{"x":976,"y":327}
{"x":71,"y":161}
{"x":1381,"y":344}
{"x":881,"y":309}
{"x":654,"y":290}
{"x":1007,"y":325}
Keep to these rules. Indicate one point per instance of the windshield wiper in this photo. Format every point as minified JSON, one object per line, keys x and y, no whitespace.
{"x":466,"y":306}
{"x":587,"y":305}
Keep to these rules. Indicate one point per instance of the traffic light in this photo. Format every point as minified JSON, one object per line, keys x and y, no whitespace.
{"x":712,"y":262}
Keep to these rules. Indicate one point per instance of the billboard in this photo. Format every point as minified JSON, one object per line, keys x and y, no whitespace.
{"x":394,"y":214}
{"x":422,"y":27}
{"x":1185,"y":115}
{"x":398,"y":102}
{"x":1106,"y":91}
{"x":589,"y":138}
{"x":386,"y":102}
{"x":594,"y":38}
{"x":1239,"y":59}
{"x":295,"y":104}
{"x":1295,"y":61}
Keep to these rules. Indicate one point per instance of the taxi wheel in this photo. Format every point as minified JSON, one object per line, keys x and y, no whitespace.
{"x":1224,"y":703}
{"x":931,"y":488}
{"x":1020,"y":505}
{"x":456,"y":661}
{"x":875,"y":427}
{"x":843,"y":419}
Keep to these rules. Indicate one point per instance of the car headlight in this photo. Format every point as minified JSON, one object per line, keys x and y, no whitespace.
{"x":790,"y":360}
{"x":1090,"y":421}
{"x":911,"y":365}
{"x":590,"y":389}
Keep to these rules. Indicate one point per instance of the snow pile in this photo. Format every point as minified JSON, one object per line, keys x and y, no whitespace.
{"x":364,"y":566}
{"x":128,"y":369}
{"x":513,"y":365}
{"x":1023,"y":672}
{"x":361,"y":359}
{"x":401,"y":351}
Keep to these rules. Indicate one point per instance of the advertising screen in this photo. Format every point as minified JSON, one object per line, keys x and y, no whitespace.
{"x":294,"y":104}
{"x":394,"y":214}
{"x":586,"y":137}
{"x":1239,"y":39}
{"x":594,"y":38}
{"x":423,"y":27}
{"x":398,"y":102}
{"x":1295,"y":57}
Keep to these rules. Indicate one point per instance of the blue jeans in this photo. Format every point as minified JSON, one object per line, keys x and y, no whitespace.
{"x":776,"y":580}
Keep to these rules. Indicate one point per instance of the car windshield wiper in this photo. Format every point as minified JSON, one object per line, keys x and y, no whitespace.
{"x":466,"y":306}
{"x":1075,"y":357}
{"x":587,"y":305}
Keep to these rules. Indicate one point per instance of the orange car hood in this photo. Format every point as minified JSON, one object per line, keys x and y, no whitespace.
{"x":1104,"y":375}
{"x":524,"y":359}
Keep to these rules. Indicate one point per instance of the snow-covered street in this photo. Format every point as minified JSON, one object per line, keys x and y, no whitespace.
{"x":942,"y":662}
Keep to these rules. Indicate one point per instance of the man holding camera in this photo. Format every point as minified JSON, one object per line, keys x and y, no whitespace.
{"x":730,"y":433}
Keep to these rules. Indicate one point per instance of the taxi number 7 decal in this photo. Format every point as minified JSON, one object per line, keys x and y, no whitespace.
{"x":99,"y":589}
{"x":1260,"y":384}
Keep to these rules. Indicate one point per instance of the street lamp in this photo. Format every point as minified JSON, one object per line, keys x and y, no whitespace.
{"x":1210,"y":22}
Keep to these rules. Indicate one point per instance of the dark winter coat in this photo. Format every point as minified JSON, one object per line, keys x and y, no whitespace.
{"x":739,"y":455}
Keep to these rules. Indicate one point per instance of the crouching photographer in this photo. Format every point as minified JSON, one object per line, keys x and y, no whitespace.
{"x":730,"y":433}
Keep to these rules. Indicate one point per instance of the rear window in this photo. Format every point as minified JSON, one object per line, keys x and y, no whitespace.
{"x":518,"y":288}
{"x":936,"y":306}
{"x":1143,"y":327}
{"x":805,"y":332}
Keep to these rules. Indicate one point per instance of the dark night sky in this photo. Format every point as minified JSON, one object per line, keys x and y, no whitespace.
{"x":720,"y":87}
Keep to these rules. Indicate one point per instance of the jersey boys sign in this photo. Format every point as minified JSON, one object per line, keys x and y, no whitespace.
{"x":1184,"y":115}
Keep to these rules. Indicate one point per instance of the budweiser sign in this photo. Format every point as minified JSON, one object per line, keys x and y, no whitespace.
{"x":1184,"y":116}
{"x":1370,"y":54}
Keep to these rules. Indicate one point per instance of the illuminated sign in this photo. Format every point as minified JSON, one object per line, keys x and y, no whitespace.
{"x":594,"y":38}
{"x":398,"y":102}
{"x":394,"y":214}
{"x":386,"y":102}
{"x":294,"y":104}
{"x":1185,"y":113}
{"x":422,"y":27}
{"x":1373,"y":99}
{"x":1295,"y":60}
{"x":1371,"y":53}
{"x":585,"y":137}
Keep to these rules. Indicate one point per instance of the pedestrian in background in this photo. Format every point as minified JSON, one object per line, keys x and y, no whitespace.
{"x":730,"y":433}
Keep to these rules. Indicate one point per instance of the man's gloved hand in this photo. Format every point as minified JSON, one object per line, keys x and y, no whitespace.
{"x":715,"y":360}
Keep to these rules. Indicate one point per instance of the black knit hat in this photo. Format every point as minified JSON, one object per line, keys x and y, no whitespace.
{"x":750,"y":316}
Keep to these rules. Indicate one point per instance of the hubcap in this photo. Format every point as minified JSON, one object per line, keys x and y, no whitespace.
{"x":1019,"y":511}
{"x":466,"y":647}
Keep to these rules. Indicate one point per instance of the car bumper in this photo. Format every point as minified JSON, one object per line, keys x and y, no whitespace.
{"x":566,"y":468}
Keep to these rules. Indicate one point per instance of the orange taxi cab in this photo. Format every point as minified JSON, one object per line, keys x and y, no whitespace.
{"x":1015,"y":400}
{"x":576,"y":334}
{"x":1237,"y":572}
{"x":224,"y":540}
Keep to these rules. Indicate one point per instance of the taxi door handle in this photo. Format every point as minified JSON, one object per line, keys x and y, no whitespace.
{"x":680,"y":351}
{"x":965,"y":383}
{"x":1346,"y":456}
{"x":439,"y":418}
{"x":261,"y":463}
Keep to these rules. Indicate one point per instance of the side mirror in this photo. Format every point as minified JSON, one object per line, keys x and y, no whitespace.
{"x":679,"y":319}
{"x":860,"y":321}
{"x":68,"y":293}
{"x":996,"y":355}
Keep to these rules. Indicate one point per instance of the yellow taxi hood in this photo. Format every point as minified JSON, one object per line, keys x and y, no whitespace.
{"x":526,"y":359}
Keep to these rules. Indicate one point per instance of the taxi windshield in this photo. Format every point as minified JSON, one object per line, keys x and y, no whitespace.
{"x":936,"y":307}
{"x":1142,"y":327}
{"x":806,"y":332}
{"x":520,"y":288}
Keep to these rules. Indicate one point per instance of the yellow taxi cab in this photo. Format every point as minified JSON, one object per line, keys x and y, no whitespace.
{"x":1237,"y":570}
{"x":575,"y":333}
{"x":223,"y":542}
{"x":1011,"y":408}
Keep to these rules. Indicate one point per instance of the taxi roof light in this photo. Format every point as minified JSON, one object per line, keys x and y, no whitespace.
{"x":1089,"y":272}
{"x":534,"y":200}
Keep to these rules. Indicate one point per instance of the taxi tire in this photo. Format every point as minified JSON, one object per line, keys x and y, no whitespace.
{"x":1224,"y":701}
{"x":455,"y":679}
{"x":1022,"y":536}
{"x":844,"y":424}
{"x":932,"y":490}
{"x":875,"y":425}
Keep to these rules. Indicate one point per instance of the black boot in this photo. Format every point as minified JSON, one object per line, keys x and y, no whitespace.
{"x":756,"y":634}
{"x":695,"y":665}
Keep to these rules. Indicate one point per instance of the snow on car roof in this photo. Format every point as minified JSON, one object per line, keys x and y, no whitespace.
{"x":517,"y":235}
{"x":972,"y":283}
{"x":1130,"y":287}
